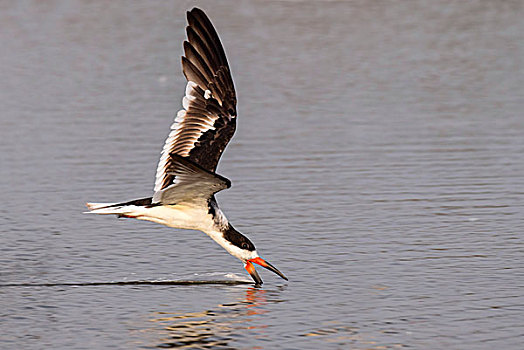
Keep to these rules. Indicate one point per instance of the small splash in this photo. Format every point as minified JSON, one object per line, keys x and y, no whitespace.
{"x":217,"y":275}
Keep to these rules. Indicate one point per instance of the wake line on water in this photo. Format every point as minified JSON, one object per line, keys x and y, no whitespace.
{"x":125,"y":283}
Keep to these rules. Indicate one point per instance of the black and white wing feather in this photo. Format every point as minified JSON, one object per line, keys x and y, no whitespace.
{"x":191,"y":183}
{"x":202,"y":129}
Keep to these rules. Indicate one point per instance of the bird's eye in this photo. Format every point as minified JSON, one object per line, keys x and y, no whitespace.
{"x":244,"y":245}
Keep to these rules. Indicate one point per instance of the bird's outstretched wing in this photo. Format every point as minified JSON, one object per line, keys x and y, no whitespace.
{"x":202,"y":129}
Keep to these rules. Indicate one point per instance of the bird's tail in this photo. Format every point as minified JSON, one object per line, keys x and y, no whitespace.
{"x":122,"y":209}
{"x":104,"y":208}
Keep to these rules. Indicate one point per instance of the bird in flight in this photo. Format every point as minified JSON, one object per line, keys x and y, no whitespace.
{"x":186,"y":182}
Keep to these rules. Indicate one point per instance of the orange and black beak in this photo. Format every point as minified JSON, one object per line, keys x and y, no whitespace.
{"x":254,"y":274}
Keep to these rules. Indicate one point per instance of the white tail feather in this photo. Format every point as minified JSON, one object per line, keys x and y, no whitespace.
{"x":95,"y":206}
{"x":113,"y":208}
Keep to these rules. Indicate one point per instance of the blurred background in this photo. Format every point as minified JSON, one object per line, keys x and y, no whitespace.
{"x":378,"y":162}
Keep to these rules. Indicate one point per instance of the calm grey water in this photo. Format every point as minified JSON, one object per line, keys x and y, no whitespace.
{"x":379,"y":163}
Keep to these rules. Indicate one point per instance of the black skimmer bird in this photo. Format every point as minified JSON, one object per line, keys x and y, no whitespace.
{"x":186,"y":182}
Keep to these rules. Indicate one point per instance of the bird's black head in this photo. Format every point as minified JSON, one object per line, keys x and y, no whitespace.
{"x":238,"y":239}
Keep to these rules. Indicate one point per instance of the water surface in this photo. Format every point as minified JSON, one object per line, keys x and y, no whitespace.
{"x":378,"y":163}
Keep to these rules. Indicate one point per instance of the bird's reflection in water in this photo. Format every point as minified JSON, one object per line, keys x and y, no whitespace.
{"x":218,"y":327}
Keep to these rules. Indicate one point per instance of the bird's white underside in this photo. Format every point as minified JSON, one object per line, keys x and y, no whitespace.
{"x":185,"y":216}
